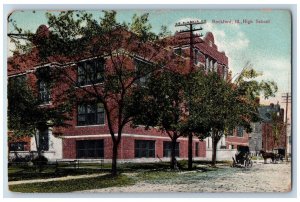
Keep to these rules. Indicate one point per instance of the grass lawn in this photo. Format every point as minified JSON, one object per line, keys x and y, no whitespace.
{"x":73,"y":185}
{"x":154,"y":173}
{"x":17,"y":173}
{"x":152,"y":177}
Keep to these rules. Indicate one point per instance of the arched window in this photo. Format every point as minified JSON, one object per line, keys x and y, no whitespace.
{"x":211,"y":66}
{"x":216,"y":67}
{"x":225,"y":72}
{"x":207,"y":64}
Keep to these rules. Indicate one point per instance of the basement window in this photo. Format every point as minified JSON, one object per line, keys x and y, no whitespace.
{"x":89,"y":149}
{"x":168,"y":149}
{"x":144,"y":148}
{"x":17,"y":146}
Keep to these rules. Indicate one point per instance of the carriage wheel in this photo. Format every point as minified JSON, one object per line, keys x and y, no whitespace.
{"x":250,"y":163}
{"x":245,"y":163}
{"x":233,"y":164}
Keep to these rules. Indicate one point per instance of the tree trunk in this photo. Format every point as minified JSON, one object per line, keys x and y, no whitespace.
{"x":37,"y":144}
{"x":39,"y":152}
{"x":215,"y":141}
{"x":173,"y":157}
{"x":114,"y":158}
{"x":190,"y":151}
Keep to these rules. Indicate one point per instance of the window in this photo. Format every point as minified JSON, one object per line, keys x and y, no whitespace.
{"x":222,"y":146}
{"x":178,"y":51}
{"x":168,"y":149}
{"x":144,"y":148}
{"x":208,"y":143}
{"x":90,"y":114}
{"x":230,"y":132}
{"x":86,"y":149}
{"x":268,"y":115}
{"x":211,"y":66}
{"x":232,"y":146}
{"x":196,"y":56}
{"x":43,"y":140}
{"x":224,"y":72}
{"x":239,"y":131}
{"x":256,"y":128}
{"x":44,"y":77}
{"x":143,"y":70}
{"x":207,"y":64}
{"x":44,"y":92}
{"x":90,"y":72}
{"x":216,"y":67}
{"x":17,"y":146}
{"x":18,"y":79}
{"x":197,"y":149}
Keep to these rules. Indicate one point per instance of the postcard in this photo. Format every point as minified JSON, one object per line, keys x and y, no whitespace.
{"x":148,"y":101}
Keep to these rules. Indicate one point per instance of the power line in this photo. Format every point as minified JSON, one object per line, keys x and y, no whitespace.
{"x":286,"y":99}
{"x":191,"y":29}
{"x":190,"y":25}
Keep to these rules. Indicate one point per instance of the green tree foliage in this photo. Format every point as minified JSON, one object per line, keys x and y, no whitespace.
{"x":26,"y":115}
{"x":72,"y":36}
{"x":247,"y":90}
{"x":160,"y":104}
{"x":219,"y":106}
{"x":212,"y":106}
{"x":278,"y":127}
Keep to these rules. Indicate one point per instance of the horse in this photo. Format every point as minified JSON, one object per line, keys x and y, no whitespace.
{"x":268,"y":155}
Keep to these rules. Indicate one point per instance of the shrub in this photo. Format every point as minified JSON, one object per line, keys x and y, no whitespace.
{"x":40,"y":160}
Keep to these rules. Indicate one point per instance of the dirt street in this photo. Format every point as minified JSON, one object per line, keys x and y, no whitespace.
{"x":259,"y":178}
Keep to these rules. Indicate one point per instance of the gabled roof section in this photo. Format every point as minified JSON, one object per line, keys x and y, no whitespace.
{"x":206,"y":45}
{"x":265,"y":112}
{"x":128,"y":44}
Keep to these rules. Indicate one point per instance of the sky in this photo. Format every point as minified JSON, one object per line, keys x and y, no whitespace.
{"x":267,"y":46}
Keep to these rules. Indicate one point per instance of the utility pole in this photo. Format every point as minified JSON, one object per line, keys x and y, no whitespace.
{"x":286,"y":99}
{"x":191,"y":29}
{"x":190,"y":25}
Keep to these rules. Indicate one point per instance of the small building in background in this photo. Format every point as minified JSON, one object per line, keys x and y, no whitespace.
{"x":273,"y":128}
{"x":269,"y":134}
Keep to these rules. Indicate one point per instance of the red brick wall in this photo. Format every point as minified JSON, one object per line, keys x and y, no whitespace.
{"x":268,"y":141}
{"x":127,"y":144}
{"x":235,"y":140}
{"x":126,"y":147}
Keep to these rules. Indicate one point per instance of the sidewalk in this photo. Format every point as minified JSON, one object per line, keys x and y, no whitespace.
{"x":55,"y":179}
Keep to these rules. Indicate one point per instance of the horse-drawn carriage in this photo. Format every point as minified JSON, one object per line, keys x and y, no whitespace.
{"x":275,"y":156}
{"x":242,"y":158}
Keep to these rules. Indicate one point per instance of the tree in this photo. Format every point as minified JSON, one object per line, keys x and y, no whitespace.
{"x":196,"y":123}
{"x":211,"y":106}
{"x":219,"y":106}
{"x":128,"y":52}
{"x":26,"y":116}
{"x":161,"y":104}
{"x":278,"y":127}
